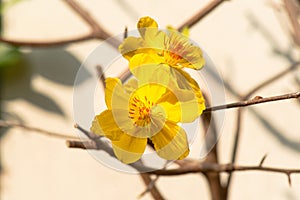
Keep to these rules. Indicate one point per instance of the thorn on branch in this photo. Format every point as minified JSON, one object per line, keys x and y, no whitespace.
{"x":262,"y":160}
{"x":289,"y":179}
{"x":125,"y":32}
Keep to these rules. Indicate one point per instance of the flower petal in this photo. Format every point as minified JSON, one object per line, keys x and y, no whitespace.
{"x":115,"y":94}
{"x":147,"y":68}
{"x":194,"y":58}
{"x":105,"y":125}
{"x":131,"y":85}
{"x":129,"y":149}
{"x":146,"y":23}
{"x":130,"y":46}
{"x":171,"y":142}
{"x":189,"y":83}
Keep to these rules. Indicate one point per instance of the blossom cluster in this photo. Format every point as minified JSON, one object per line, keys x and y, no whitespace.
{"x":147,"y":108}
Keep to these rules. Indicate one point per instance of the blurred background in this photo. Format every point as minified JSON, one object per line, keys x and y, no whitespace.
{"x":248,"y":41}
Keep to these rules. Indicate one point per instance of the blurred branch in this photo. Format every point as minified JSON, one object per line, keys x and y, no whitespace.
{"x":214,"y":180}
{"x":293,"y":9}
{"x":9,"y":124}
{"x":46,"y":43}
{"x":201,"y":14}
{"x":97,"y":32}
{"x":150,"y":183}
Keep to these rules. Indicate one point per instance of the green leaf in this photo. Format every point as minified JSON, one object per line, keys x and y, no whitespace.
{"x":9,"y":56}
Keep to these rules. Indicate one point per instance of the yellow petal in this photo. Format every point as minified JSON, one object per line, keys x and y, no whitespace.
{"x":144,"y":59}
{"x":189,"y":83}
{"x":146,"y":67}
{"x":115,"y":94}
{"x":145,"y":23}
{"x":105,"y":125}
{"x":153,"y":92}
{"x":130,"y":45}
{"x":131,"y":85}
{"x":194,"y":59}
{"x":185,"y":112}
{"x":171,"y":142}
{"x":129,"y":149}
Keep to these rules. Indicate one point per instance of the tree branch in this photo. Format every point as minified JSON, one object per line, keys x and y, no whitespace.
{"x":48,"y":43}
{"x":255,"y":100}
{"x":201,"y":14}
{"x":98,"y":32}
{"x":197,"y":167}
{"x":9,"y":124}
{"x":239,"y":117}
{"x":150,"y":183}
{"x":214,"y":180}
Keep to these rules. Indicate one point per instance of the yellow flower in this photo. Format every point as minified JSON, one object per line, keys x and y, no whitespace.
{"x":148,"y":108}
{"x":171,"y":47}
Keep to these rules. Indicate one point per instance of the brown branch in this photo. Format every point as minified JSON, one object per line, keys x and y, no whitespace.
{"x":77,"y":144}
{"x":48,"y":43}
{"x":82,"y":144}
{"x":197,"y":167}
{"x":9,"y":124}
{"x":292,"y":8}
{"x":255,"y":100}
{"x":150,"y":183}
{"x":201,"y":14}
{"x":101,"y":75}
{"x":275,"y":77}
{"x":239,"y":120}
{"x":214,"y":180}
{"x":97,"y":32}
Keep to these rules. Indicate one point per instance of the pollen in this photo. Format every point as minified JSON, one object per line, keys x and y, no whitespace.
{"x":174,"y":51}
{"x":140,"y":110}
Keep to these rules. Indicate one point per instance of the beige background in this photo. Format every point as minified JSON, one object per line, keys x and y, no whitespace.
{"x":239,"y":36}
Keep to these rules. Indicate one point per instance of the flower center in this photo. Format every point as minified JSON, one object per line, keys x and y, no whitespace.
{"x":140,"y":110}
{"x":175,"y":50}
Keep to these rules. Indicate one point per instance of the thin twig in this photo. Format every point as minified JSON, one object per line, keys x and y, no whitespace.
{"x":239,"y":120}
{"x":275,"y":77}
{"x":9,"y":124}
{"x":201,"y":14}
{"x":216,"y":108}
{"x":262,"y":160}
{"x":257,"y":100}
{"x":150,"y":183}
{"x":221,"y":168}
